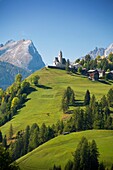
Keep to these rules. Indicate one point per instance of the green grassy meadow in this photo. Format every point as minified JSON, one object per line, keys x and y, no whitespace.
{"x":44,"y":104}
{"x":60,"y":149}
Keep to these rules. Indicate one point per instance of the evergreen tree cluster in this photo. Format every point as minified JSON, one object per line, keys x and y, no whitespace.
{"x":85,"y":157}
{"x":90,"y":118}
{"x":68,"y":99}
{"x":13,"y":98}
{"x":6,"y":160}
{"x":29,"y":139}
{"x":96,"y":115}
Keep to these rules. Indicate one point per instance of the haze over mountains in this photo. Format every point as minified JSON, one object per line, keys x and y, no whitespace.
{"x":19,"y":56}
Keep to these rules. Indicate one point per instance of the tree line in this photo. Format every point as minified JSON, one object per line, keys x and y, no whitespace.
{"x":30,"y":138}
{"x":100,"y":63}
{"x":6,"y":160}
{"x":96,"y":115}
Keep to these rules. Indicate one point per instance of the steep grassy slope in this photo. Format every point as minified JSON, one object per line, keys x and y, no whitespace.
{"x":59,"y":150}
{"x":44,"y":104}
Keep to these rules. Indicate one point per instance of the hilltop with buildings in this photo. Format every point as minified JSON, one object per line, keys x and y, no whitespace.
{"x":94,"y":69}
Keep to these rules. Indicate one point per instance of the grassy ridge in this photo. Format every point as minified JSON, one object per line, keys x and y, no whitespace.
{"x":59,"y":150}
{"x":44,"y":104}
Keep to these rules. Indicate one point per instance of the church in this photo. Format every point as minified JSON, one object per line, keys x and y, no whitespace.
{"x":59,"y":61}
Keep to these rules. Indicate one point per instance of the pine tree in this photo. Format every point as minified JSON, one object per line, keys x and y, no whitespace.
{"x":86,"y":156}
{"x":79,"y":119}
{"x":81,"y":156}
{"x":26,"y":139}
{"x":10,"y":132}
{"x":87,"y":98}
{"x":33,"y":140}
{"x":64,"y":105}
{"x":88,"y":118}
{"x":93,"y":102}
{"x":104,"y":102}
{"x":43,"y":133}
{"x":4,"y":142}
{"x":6,"y":161}
{"x":94,"y":154}
{"x":1,"y":136}
{"x":108,"y":122}
{"x":67,"y":99}
{"x":70,"y":96}
{"x":18,"y":148}
{"x":110,"y":97}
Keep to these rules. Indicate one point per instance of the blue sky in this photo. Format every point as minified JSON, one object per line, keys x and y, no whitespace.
{"x":73,"y":26}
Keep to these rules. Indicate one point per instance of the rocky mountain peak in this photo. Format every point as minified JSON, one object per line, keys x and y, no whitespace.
{"x":108,"y":50}
{"x":22,"y":54}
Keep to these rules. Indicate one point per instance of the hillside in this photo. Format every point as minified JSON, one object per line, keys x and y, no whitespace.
{"x":59,"y":150}
{"x":44,"y":104}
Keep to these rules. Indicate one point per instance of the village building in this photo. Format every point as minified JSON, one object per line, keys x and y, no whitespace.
{"x":101,"y":73}
{"x":84,"y":72}
{"x":76,"y":65}
{"x":109,"y":74}
{"x":93,"y":75}
{"x":59,"y":61}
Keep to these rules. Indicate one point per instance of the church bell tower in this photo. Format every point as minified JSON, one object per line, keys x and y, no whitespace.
{"x":60,"y":57}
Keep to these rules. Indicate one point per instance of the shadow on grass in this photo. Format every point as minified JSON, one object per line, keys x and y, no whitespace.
{"x":79,"y":103}
{"x":23,"y":105}
{"x":30,"y":90}
{"x":104,"y":82}
{"x":111,"y":81}
{"x":44,"y":87}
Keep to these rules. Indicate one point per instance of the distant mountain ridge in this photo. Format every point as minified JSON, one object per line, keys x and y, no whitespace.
{"x":96,"y":52}
{"x":108,"y":50}
{"x":22,"y":54}
{"x":18,"y":57}
{"x":101,"y":51}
